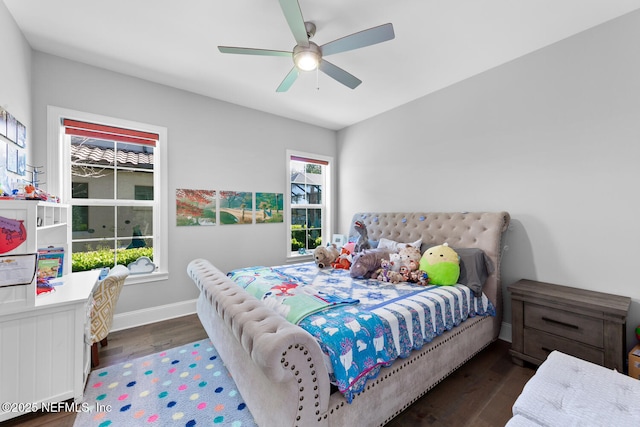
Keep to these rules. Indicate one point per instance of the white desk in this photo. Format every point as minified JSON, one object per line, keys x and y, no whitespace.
{"x":43,"y":353}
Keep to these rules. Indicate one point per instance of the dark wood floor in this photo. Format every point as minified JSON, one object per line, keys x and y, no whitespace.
{"x":479,"y":394}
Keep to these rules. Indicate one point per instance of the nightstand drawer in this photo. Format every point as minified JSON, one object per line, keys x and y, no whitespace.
{"x":565,"y":324}
{"x":539,"y":344}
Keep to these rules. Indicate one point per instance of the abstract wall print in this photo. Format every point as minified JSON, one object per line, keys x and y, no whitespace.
{"x":12,"y":158}
{"x":195,"y":207}
{"x":3,"y":122}
{"x":21,"y":137}
{"x":22,"y":163}
{"x":236,"y":207}
{"x":269,"y":207}
{"x":12,"y":128}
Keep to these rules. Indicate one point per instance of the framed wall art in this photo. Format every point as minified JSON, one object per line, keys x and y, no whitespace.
{"x":269,"y":207}
{"x":236,"y":207}
{"x":3,"y":122}
{"x":195,"y":207}
{"x":12,"y":158}
{"x":22,"y":163}
{"x":21,"y":134}
{"x":12,"y":128}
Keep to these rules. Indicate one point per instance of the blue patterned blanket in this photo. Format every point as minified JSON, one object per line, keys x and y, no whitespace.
{"x":389,"y":321}
{"x":293,"y":300}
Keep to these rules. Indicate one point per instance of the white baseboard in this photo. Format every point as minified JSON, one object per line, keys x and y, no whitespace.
{"x":145,"y":316}
{"x":505,"y":332}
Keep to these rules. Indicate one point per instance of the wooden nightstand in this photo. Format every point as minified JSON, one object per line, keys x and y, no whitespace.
{"x":585,"y":324}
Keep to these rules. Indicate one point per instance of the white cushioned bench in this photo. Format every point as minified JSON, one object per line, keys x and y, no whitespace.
{"x":567,"y":391}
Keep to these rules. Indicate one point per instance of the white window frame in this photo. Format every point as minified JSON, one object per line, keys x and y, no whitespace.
{"x":326,"y":205}
{"x":59,"y":177}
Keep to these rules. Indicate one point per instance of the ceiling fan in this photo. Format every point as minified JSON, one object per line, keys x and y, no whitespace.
{"x":308,"y":56}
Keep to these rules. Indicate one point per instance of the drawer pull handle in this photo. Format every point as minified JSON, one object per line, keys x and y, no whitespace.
{"x":557,"y":322}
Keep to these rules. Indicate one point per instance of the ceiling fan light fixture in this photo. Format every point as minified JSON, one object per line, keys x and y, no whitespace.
{"x":307,"y":58}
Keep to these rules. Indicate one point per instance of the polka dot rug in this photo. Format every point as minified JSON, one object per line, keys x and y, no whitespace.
{"x":184,"y":386}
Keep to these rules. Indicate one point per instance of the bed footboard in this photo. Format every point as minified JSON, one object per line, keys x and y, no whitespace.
{"x":277,"y":366}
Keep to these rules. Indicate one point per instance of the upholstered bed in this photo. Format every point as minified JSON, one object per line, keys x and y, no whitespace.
{"x":280,"y":368}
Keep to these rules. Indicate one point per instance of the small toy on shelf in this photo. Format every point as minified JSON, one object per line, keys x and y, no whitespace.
{"x":30,"y":191}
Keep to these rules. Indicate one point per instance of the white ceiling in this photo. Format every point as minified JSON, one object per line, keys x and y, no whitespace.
{"x":437,"y":43}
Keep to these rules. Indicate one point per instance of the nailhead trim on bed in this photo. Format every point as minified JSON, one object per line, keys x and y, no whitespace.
{"x":314,"y":397}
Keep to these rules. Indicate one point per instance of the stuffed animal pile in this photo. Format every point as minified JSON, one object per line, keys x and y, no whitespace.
{"x":439,"y":265}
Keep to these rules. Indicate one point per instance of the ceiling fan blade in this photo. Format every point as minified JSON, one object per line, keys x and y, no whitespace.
{"x":363,"y":38}
{"x":339,"y":74}
{"x":293,"y":15}
{"x":288,"y":80}
{"x":250,"y":51}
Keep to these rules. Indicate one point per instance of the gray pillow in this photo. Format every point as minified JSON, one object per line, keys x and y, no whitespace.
{"x":475,"y":267}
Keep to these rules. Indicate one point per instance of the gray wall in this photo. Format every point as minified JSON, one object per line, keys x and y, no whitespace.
{"x":551,"y":137}
{"x":211,"y":145}
{"x":15,"y":73}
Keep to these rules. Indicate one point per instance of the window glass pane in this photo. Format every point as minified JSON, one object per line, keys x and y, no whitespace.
{"x":314,"y":194}
{"x":314,"y":218}
{"x":299,"y":217}
{"x":129,"y":181}
{"x":136,"y":223}
{"x":298,"y":238}
{"x":99,"y":181}
{"x":92,"y":161}
{"x":100,"y":224}
{"x":137,"y":246}
{"x":143,"y":192}
{"x":134,"y":156}
{"x":314,"y":238}
{"x":79,"y":218}
{"x":80,"y":190}
{"x":298,"y":194}
{"x":87,"y":255}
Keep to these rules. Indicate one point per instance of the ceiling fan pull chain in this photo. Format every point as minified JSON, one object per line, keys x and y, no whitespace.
{"x":317,"y":78}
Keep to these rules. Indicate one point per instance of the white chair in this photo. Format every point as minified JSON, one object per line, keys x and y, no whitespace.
{"x":105,"y":297}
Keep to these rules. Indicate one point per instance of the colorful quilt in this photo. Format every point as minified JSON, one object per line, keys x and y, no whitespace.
{"x":388,"y":322}
{"x":293,"y":300}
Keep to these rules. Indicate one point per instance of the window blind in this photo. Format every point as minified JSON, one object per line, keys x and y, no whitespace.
{"x":94,"y":130}
{"x":309,"y":160}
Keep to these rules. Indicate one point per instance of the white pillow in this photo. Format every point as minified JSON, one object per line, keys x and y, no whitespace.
{"x":396,"y":246}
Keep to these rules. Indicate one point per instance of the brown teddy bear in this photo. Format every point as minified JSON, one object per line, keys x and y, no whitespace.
{"x":324,"y":256}
{"x":408,"y":254}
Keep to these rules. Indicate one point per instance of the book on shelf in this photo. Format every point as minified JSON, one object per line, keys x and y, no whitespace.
{"x":51,"y":262}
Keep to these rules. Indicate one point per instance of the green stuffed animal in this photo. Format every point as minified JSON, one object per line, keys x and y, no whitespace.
{"x":442,"y":264}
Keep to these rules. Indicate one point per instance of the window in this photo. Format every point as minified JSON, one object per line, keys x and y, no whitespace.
{"x":308,"y":201}
{"x":112,"y":178}
{"x":79,"y":214}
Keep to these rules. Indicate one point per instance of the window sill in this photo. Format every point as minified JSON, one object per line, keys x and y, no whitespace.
{"x":299,"y":258}
{"x":136,"y":279}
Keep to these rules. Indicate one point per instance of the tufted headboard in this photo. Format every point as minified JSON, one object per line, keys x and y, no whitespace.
{"x":481,"y":230}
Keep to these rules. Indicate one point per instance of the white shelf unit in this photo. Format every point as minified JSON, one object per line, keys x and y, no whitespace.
{"x":44,"y":351}
{"x":46,"y":224}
